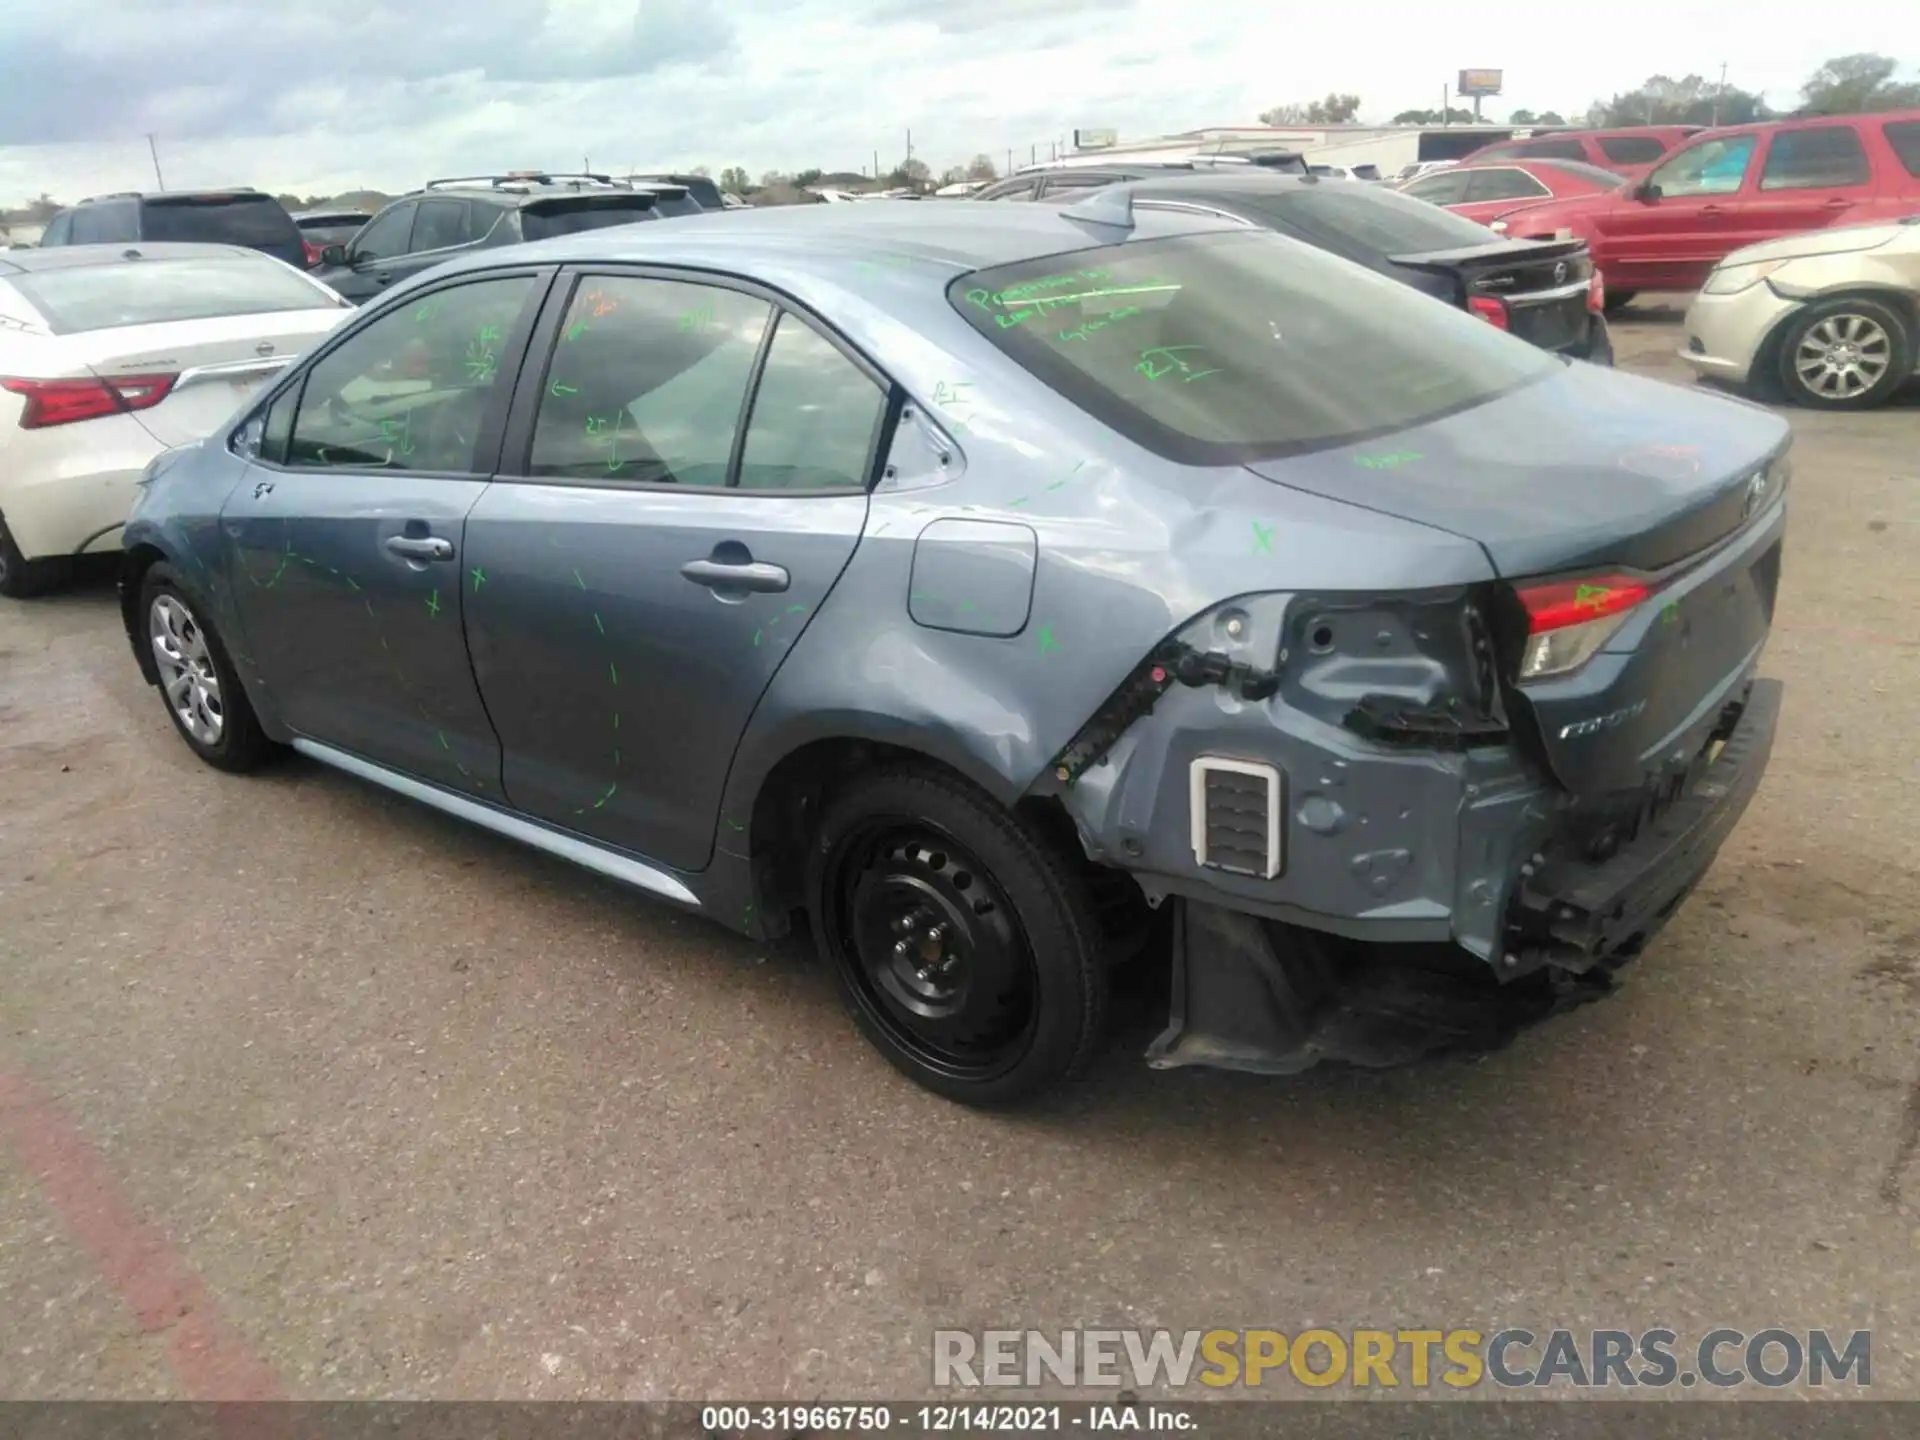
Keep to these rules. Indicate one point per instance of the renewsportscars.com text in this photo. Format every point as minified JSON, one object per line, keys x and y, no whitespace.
{"x":1402,"y":1359}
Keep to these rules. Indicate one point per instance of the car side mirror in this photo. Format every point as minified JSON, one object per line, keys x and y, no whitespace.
{"x":1646,"y":190}
{"x":334,"y":255}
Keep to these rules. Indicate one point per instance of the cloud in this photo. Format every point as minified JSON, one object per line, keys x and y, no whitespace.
{"x":320,"y":96}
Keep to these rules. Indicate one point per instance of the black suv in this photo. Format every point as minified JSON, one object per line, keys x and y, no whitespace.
{"x":470,"y":212}
{"x":237,"y":216}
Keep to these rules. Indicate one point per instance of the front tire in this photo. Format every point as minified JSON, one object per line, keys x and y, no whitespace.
{"x":965,"y":947}
{"x":201,"y":689}
{"x":1845,"y":354}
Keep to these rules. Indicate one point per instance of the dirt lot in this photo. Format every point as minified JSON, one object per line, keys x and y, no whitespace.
{"x":305,"y":1091}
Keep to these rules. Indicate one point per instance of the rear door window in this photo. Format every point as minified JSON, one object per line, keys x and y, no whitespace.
{"x":816,"y":416}
{"x":1225,"y":348}
{"x":1904,"y":137}
{"x":647,"y":382}
{"x":1823,"y":157}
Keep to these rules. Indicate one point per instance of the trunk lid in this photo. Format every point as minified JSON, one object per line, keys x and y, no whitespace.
{"x":220,"y":363}
{"x":1543,"y":283}
{"x":1588,"y":474}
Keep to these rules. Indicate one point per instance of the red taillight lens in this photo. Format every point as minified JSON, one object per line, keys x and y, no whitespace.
{"x":313,"y":252}
{"x":1490,"y":308}
{"x":1569,"y":620}
{"x":1597,"y":293}
{"x":63,"y":402}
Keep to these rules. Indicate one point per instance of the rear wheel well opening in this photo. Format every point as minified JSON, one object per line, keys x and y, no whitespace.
{"x":787,"y":806}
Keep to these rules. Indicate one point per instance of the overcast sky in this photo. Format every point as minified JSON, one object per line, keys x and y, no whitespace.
{"x":318,"y":96}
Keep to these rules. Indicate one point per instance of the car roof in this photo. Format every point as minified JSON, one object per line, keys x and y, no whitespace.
{"x":74,"y":257}
{"x":845,"y":242}
{"x":331,"y":214}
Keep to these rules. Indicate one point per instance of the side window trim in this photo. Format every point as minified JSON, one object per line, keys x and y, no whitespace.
{"x":515,"y":460}
{"x":486,"y":447}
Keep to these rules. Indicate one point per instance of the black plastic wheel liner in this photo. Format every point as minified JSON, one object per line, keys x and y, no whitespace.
{"x":1269,"y":999}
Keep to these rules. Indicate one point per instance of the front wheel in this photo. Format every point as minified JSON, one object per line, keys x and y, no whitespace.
{"x":197,"y":679}
{"x":1846,"y":354}
{"x":966,"y":948}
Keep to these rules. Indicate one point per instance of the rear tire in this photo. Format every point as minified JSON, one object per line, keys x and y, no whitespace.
{"x":1859,"y":350}
{"x":198,"y":683}
{"x":21,"y":578}
{"x":1618,"y":300}
{"x":964,"y":945}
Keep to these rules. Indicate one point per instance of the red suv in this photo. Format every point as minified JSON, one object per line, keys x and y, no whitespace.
{"x":1737,"y":186}
{"x":1630,"y":151}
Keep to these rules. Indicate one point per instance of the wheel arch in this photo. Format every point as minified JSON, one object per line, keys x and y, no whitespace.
{"x":767,"y":820}
{"x":136,"y":560}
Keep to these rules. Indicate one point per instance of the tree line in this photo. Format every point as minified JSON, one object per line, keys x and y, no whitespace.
{"x":1845,"y":85}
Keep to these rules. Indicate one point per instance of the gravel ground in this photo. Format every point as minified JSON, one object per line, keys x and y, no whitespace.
{"x":306,"y":1091}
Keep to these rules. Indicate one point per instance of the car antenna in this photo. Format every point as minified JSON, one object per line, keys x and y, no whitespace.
{"x":1111,"y":207}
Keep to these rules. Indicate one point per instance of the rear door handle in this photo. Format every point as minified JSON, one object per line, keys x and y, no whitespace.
{"x":1713,"y":210}
{"x":755,"y":575}
{"x":1838,"y":202}
{"x":430,"y":547}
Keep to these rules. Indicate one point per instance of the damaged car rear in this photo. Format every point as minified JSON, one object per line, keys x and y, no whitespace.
{"x":1451,"y":777}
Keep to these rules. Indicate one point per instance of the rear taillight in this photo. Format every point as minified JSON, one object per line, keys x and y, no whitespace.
{"x":1597,"y":292}
{"x":62,"y":402}
{"x":1569,"y":620}
{"x":1490,"y":308}
{"x":313,"y":252}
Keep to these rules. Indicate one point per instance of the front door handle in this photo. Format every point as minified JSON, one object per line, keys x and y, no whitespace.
{"x":754,"y":575}
{"x":1838,"y":202}
{"x":430,"y":547}
{"x":1712,"y":210}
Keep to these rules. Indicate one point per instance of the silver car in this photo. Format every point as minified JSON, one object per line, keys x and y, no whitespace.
{"x":1829,"y":318}
{"x":1002,"y":592}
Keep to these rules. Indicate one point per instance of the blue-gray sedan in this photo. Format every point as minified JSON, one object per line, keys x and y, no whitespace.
{"x":1003,"y":592}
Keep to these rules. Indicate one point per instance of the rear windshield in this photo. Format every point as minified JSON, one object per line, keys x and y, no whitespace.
{"x":676,"y":204}
{"x":705,"y":193}
{"x":1597,"y":174}
{"x":1226,"y":348}
{"x":548,"y":218}
{"x":251,"y":220}
{"x":346,"y":219}
{"x":152,"y":292}
{"x":1366,"y":218}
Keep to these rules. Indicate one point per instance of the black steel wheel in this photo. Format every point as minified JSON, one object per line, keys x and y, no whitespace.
{"x":965,"y":948}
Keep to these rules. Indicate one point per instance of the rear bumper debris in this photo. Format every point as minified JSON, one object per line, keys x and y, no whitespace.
{"x":1578,"y":913}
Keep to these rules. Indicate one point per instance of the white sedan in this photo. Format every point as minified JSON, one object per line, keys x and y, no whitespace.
{"x":110,"y":354}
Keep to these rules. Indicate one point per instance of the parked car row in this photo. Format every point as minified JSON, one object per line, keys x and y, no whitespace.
{"x":415,"y":231}
{"x":1545,"y":292}
{"x":992,"y":588}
